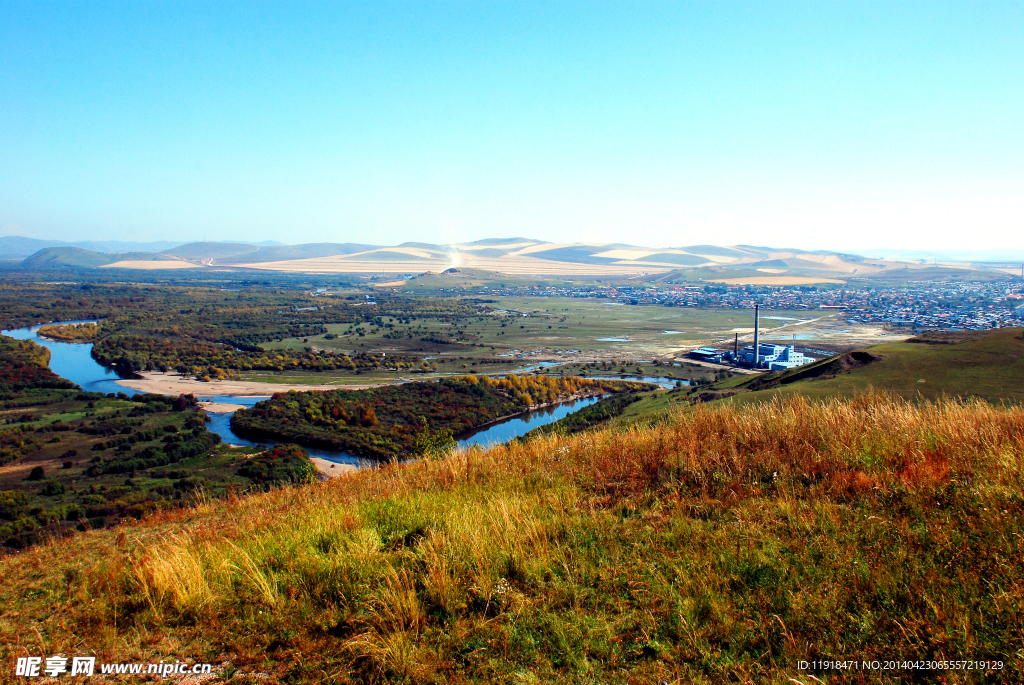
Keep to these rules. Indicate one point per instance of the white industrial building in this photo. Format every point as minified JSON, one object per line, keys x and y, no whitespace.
{"x":774,"y":357}
{"x":770,"y":356}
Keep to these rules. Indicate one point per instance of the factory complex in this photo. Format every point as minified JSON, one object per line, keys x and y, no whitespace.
{"x":760,"y":355}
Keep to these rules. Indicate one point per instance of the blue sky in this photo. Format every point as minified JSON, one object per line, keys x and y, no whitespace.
{"x":841,"y":125}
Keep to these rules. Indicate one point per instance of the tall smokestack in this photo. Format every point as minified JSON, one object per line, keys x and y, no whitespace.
{"x":736,"y":349}
{"x":757,"y":336}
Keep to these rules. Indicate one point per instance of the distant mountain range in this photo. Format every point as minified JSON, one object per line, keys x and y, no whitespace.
{"x":19,"y":247}
{"x":513,"y":256}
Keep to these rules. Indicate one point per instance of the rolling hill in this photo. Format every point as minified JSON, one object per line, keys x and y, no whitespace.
{"x":78,"y":258}
{"x":50,"y":257}
{"x":527,"y":257}
{"x":15,"y":247}
{"x":238,"y":253}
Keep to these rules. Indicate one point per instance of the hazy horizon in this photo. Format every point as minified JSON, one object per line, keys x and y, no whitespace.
{"x":848,"y":127}
{"x":915,"y":254}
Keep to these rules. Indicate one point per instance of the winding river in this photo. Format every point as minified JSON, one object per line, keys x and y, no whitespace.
{"x":74,"y":362}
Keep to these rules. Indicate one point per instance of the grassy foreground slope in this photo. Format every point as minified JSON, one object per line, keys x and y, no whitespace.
{"x":723,"y":545}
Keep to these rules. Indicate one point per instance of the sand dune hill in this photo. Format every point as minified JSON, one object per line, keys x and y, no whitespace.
{"x":718,"y":251}
{"x":742,"y":264}
{"x":151,"y":264}
{"x":670,"y":259}
{"x":832,"y":261}
{"x":513,"y":264}
{"x":625,"y":254}
{"x":776,"y":280}
{"x":716,"y":259}
{"x":510,"y":247}
{"x":389,"y":254}
{"x":541,"y":247}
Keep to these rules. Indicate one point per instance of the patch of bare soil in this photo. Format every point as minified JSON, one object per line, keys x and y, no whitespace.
{"x":173,"y":384}
{"x":712,"y":395}
{"x":329,"y":469}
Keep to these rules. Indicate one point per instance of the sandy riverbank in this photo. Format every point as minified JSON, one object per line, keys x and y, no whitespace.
{"x":220,"y":407}
{"x":330,"y":469}
{"x":173,"y":384}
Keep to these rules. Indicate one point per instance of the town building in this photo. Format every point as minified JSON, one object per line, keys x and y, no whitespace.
{"x":707,"y":354}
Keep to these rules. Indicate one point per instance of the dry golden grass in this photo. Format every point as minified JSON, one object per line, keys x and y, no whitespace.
{"x":720,"y":545}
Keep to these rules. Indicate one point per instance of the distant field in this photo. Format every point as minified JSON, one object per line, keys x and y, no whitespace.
{"x":562,"y":328}
{"x":151,"y":264}
{"x":572,"y":331}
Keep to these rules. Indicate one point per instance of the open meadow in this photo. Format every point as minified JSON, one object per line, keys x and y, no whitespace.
{"x":521,"y":332}
{"x":563,"y":328}
{"x":591,"y":328}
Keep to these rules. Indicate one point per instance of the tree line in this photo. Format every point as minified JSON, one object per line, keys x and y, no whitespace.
{"x":386,"y":423}
{"x":212,"y":334}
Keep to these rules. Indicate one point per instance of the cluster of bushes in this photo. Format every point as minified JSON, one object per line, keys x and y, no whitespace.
{"x":280,"y":464}
{"x":241,"y":318}
{"x":209,"y":333}
{"x":187,"y":445}
{"x":23,"y":366}
{"x":48,"y":504}
{"x":24,"y":521}
{"x":74,"y":333}
{"x":14,"y":444}
{"x":14,"y":516}
{"x":207,"y":360}
{"x":382,"y":423}
{"x":12,"y":504}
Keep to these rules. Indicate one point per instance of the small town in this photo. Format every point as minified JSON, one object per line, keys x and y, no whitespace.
{"x":926,"y":305}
